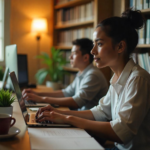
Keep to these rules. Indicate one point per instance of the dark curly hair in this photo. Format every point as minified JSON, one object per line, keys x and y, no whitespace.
{"x":124,"y":28}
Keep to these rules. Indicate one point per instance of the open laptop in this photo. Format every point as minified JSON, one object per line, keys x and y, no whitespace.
{"x":29,"y":118}
{"x":19,"y":94}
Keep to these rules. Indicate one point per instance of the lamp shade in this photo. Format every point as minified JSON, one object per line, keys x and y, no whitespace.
{"x":39,"y":25}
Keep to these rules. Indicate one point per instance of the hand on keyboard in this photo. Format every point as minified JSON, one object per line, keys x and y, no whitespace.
{"x":29,"y":102}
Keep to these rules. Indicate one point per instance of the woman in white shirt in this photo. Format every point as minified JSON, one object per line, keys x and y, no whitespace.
{"x":123,"y":115}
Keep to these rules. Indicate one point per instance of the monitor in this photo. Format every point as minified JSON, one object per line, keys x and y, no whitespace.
{"x":10,"y":63}
{"x":22,"y":70}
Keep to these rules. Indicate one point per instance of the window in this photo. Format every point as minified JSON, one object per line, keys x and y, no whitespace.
{"x":1,"y":30}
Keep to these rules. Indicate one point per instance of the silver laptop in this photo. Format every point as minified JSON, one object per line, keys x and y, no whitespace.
{"x":19,"y":94}
{"x":30,"y":119}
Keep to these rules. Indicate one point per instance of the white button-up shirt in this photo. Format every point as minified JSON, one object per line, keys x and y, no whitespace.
{"x":127,"y":107}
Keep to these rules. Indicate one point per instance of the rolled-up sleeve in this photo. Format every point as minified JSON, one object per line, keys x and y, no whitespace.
{"x":102,"y":112}
{"x":70,"y":90}
{"x":91,"y":85}
{"x":134,"y":109}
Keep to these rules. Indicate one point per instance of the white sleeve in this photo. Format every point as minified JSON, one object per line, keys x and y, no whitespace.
{"x":102,"y":112}
{"x":134,"y":110}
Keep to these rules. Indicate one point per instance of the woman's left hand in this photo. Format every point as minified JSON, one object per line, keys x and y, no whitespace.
{"x":53,"y":117}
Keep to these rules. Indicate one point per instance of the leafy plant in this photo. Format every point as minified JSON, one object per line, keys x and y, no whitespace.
{"x":6,"y":98}
{"x":54,"y":63}
{"x":1,"y":73}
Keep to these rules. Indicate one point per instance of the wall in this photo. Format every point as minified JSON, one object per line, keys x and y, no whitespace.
{"x":22,"y":13}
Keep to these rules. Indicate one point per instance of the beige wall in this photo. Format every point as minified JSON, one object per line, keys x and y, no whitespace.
{"x":22,"y":13}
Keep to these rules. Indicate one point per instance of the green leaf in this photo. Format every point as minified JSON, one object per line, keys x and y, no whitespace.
{"x":41,"y":75}
{"x":54,"y":63}
{"x":6,"y":98}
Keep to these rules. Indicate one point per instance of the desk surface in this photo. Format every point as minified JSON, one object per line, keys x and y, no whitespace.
{"x":21,"y":141}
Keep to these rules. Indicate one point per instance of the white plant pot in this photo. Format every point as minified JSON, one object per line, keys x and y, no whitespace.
{"x":54,"y":85}
{"x":6,"y":110}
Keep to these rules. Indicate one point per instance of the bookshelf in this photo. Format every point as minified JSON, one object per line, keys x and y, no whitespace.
{"x":77,"y":19}
{"x":142,"y":51}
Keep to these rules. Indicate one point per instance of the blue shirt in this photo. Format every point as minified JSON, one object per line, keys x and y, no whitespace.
{"x":87,"y":88}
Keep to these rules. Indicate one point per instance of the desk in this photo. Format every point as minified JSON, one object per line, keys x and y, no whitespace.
{"x":21,"y":141}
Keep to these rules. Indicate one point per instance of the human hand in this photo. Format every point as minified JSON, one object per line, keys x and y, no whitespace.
{"x":28,"y":91}
{"x":52,"y":116}
{"x":33,"y":97}
{"x":47,"y":108}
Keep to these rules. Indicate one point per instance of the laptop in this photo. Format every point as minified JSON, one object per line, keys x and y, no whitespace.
{"x":19,"y":94}
{"x":30,"y":119}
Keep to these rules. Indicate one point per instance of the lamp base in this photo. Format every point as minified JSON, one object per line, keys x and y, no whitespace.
{"x":38,"y":37}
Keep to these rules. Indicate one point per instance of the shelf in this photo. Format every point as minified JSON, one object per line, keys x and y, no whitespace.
{"x":143,"y":46}
{"x":145,"y":10}
{"x":70,"y":69}
{"x":63,"y":47}
{"x":72,"y":4}
{"x":70,"y":25}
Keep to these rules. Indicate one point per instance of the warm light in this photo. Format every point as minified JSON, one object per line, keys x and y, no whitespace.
{"x":39,"y":25}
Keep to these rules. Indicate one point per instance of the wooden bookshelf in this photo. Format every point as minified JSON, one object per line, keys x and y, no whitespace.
{"x":62,"y":28}
{"x":72,"y":4}
{"x":145,"y":11}
{"x":63,"y":47}
{"x":70,"y":69}
{"x":76,"y":24}
{"x":142,"y":52}
{"x":143,"y":46}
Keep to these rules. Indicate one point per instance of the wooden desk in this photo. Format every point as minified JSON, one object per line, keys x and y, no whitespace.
{"x":42,"y":88}
{"x":21,"y":141}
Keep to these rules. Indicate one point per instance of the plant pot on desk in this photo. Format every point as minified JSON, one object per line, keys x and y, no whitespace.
{"x":6,"y":110}
{"x":54,"y":85}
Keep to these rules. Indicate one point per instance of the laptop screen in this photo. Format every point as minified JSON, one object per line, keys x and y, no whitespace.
{"x":18,"y":94}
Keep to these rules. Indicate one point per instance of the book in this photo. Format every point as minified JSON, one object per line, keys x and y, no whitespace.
{"x":133,"y":4}
{"x":143,"y":61}
{"x":141,"y":33}
{"x":145,"y":4}
{"x":139,"y":4}
{"x":148,"y":31}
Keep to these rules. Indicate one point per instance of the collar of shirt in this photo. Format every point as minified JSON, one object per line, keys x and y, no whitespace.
{"x":80,"y":75}
{"x":123,"y":77}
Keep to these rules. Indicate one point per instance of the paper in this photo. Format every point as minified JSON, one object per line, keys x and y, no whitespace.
{"x":62,"y":139}
{"x":64,"y":144}
{"x":34,"y":109}
{"x":57,"y":132}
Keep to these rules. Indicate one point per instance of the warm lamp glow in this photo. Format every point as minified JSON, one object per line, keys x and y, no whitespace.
{"x":39,"y":25}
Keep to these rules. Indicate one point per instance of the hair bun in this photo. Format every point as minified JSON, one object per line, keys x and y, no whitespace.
{"x":134,"y":17}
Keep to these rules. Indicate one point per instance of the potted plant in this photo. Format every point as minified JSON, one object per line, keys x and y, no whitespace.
{"x":54,"y":69}
{"x":6,"y":99}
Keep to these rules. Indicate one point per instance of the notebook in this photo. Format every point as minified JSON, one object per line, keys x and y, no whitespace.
{"x":30,"y":119}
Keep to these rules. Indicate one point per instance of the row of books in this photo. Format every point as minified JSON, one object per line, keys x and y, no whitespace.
{"x":140,"y":4}
{"x":143,"y":60}
{"x":58,"y":2}
{"x":144,"y":33}
{"x":75,"y":14}
{"x":65,"y":38}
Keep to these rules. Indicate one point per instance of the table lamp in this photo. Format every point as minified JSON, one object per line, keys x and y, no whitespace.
{"x":39,"y":26}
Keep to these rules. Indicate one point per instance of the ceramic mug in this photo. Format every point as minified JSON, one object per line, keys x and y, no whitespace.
{"x":5,"y":123}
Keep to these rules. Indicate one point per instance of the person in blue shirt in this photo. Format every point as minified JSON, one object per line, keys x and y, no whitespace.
{"x":86,"y":89}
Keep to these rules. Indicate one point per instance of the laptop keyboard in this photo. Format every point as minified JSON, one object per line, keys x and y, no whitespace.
{"x":33,"y":119}
{"x":29,"y":102}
